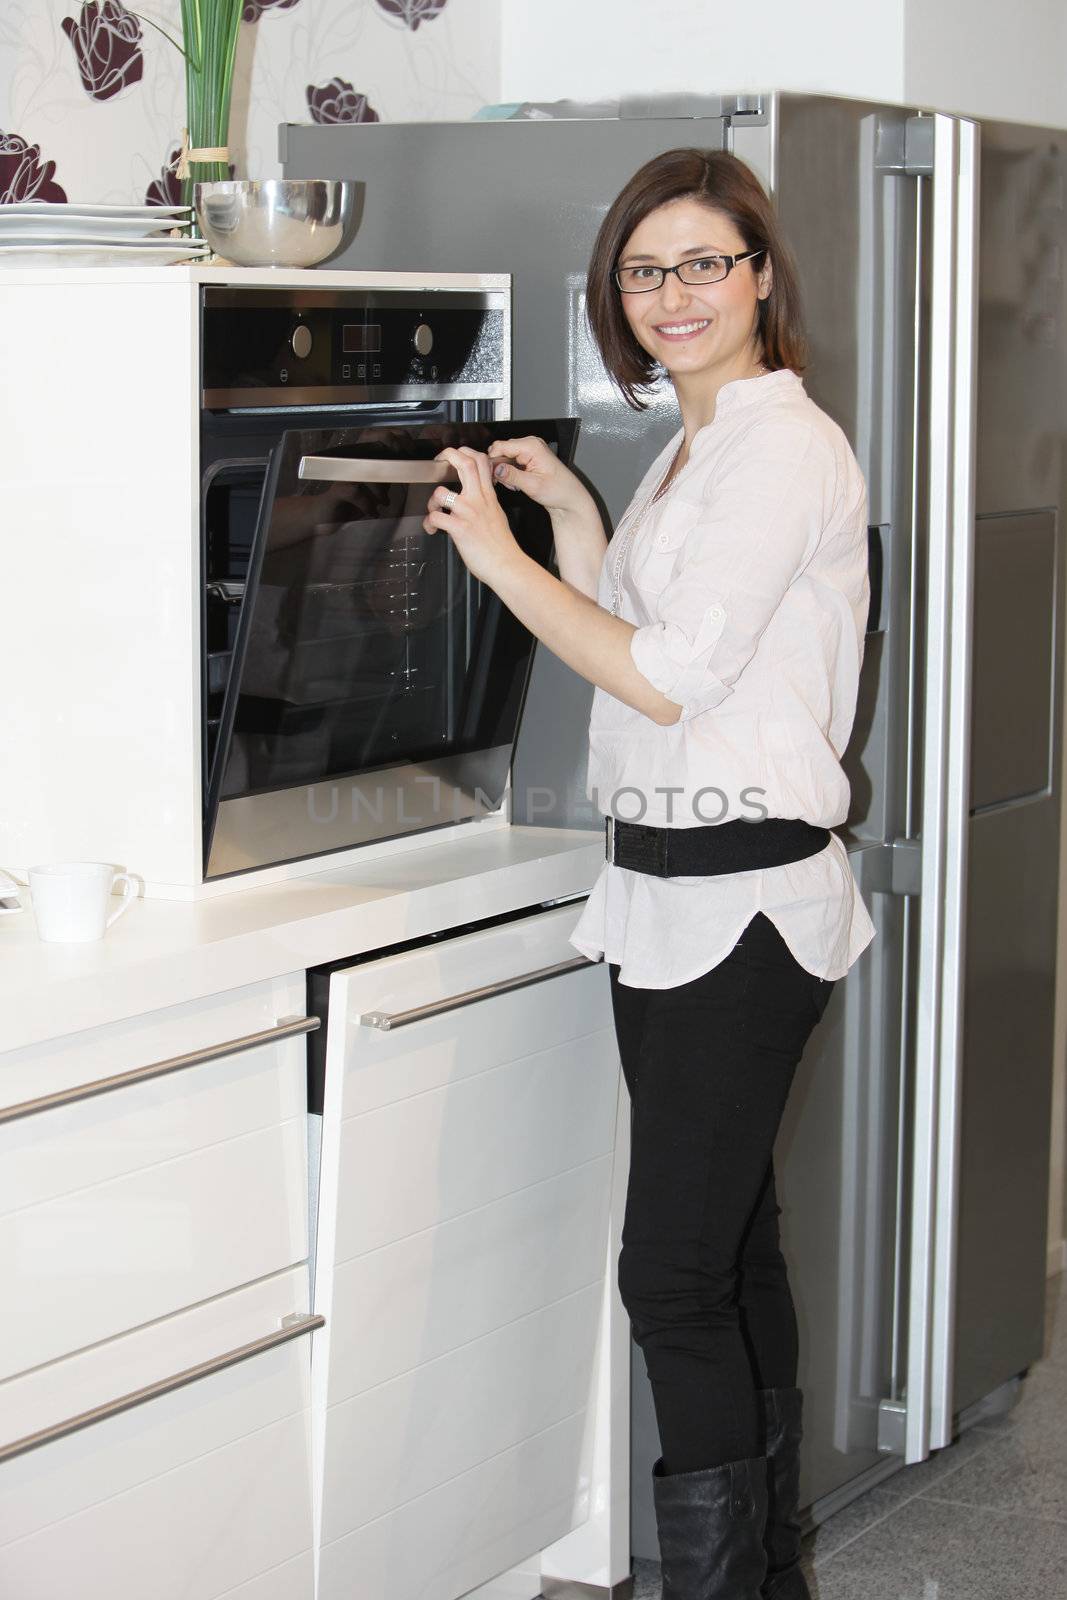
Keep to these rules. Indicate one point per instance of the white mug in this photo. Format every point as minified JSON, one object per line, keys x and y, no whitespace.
{"x":70,"y":899}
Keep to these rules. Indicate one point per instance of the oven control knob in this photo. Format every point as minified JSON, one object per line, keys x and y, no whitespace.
{"x":300,"y":342}
{"x":422,"y":338}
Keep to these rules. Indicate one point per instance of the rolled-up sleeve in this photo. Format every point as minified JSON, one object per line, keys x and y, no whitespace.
{"x":752,"y":534}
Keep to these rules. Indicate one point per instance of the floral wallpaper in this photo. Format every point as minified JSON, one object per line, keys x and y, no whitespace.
{"x":92,"y":91}
{"x":106,"y":40}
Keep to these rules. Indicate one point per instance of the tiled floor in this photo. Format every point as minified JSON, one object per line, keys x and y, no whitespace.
{"x":985,"y":1519}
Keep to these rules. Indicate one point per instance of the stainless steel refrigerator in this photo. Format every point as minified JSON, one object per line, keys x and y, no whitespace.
{"x":914,"y":1160}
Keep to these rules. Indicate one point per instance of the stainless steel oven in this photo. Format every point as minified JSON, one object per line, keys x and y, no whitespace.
{"x":356,"y":682}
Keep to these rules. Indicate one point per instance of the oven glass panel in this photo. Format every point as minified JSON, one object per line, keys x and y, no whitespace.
{"x":363,"y":642}
{"x":232,"y":497}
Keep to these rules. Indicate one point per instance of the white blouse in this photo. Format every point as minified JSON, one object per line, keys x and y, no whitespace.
{"x":747,"y":584}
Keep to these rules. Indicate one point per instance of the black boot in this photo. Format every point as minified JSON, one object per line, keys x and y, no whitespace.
{"x":780,"y":1413}
{"x":711,"y":1531}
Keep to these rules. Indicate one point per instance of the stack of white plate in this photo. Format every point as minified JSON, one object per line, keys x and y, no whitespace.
{"x":38,"y":233}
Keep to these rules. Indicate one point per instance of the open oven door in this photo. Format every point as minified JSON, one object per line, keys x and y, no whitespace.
{"x":376,"y":687}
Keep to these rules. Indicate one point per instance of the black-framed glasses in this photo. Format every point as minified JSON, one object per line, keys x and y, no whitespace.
{"x":705,"y":269}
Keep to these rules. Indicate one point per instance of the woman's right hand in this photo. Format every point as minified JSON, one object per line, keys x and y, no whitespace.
{"x":530,"y":466}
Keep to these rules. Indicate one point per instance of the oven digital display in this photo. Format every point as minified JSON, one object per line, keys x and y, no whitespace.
{"x":361,"y":338}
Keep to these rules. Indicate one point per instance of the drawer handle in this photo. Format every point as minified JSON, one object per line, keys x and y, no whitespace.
{"x":287,"y":1029}
{"x":386,"y":1020}
{"x":346,"y":469}
{"x":292,"y":1327}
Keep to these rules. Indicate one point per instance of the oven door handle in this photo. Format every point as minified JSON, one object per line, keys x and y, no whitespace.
{"x":343,"y":469}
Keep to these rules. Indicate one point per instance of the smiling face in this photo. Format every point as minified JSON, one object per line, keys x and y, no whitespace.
{"x":697,"y":332}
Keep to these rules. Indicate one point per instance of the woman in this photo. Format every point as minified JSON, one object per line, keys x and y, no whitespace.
{"x":723,"y":628}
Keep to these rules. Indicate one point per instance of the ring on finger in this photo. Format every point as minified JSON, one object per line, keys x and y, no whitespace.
{"x":450,"y":499}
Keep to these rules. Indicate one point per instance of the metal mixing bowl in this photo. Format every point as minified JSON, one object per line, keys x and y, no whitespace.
{"x":279,"y":222}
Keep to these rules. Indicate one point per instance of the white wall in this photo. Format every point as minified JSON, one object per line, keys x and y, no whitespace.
{"x":990,"y":58}
{"x":429,"y":60}
{"x":599,"y":49}
{"x":1005,"y":59}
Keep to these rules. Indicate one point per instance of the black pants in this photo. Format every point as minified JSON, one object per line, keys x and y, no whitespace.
{"x":708,"y":1065}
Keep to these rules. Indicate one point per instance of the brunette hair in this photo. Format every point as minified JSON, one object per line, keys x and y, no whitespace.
{"x":718,"y":179}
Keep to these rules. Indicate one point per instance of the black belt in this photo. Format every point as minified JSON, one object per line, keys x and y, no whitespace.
{"x":707,"y":851}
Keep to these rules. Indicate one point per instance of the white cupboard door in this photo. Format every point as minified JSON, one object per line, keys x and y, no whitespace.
{"x":200,"y":1491}
{"x":294,"y":1580}
{"x":463,"y":1258}
{"x":124,"y":1205}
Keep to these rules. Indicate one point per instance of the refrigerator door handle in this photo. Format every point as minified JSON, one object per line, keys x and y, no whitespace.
{"x":946,"y":787}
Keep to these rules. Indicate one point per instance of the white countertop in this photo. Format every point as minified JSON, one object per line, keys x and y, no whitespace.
{"x":164,"y":952}
{"x":215,"y":270}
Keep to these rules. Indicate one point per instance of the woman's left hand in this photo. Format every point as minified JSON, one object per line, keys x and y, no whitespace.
{"x":476,"y":524}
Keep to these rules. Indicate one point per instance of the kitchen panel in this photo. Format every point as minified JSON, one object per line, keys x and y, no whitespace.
{"x":182,"y":1532}
{"x":544,"y":1117}
{"x":215,"y":1474}
{"x":446,"y":1542}
{"x":446,"y":1415}
{"x":291,"y":1580}
{"x":96,"y":1262}
{"x":149,"y":1164}
{"x":390,"y":1067}
{"x":470,"y":1309}
{"x":439,"y":1288}
{"x":210,"y":1023}
{"x":110,"y":1136}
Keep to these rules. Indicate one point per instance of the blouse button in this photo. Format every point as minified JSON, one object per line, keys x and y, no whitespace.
{"x":662,"y":539}
{"x":716,"y":612}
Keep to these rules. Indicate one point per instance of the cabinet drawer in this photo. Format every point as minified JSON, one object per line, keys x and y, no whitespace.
{"x":123,"y":1206}
{"x":195,"y":1492}
{"x":79,"y":1058}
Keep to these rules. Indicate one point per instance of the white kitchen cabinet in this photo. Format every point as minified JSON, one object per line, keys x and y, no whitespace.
{"x":197,"y":1493}
{"x":465,"y":1262}
{"x":293,"y":1580}
{"x":122,"y":1202}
